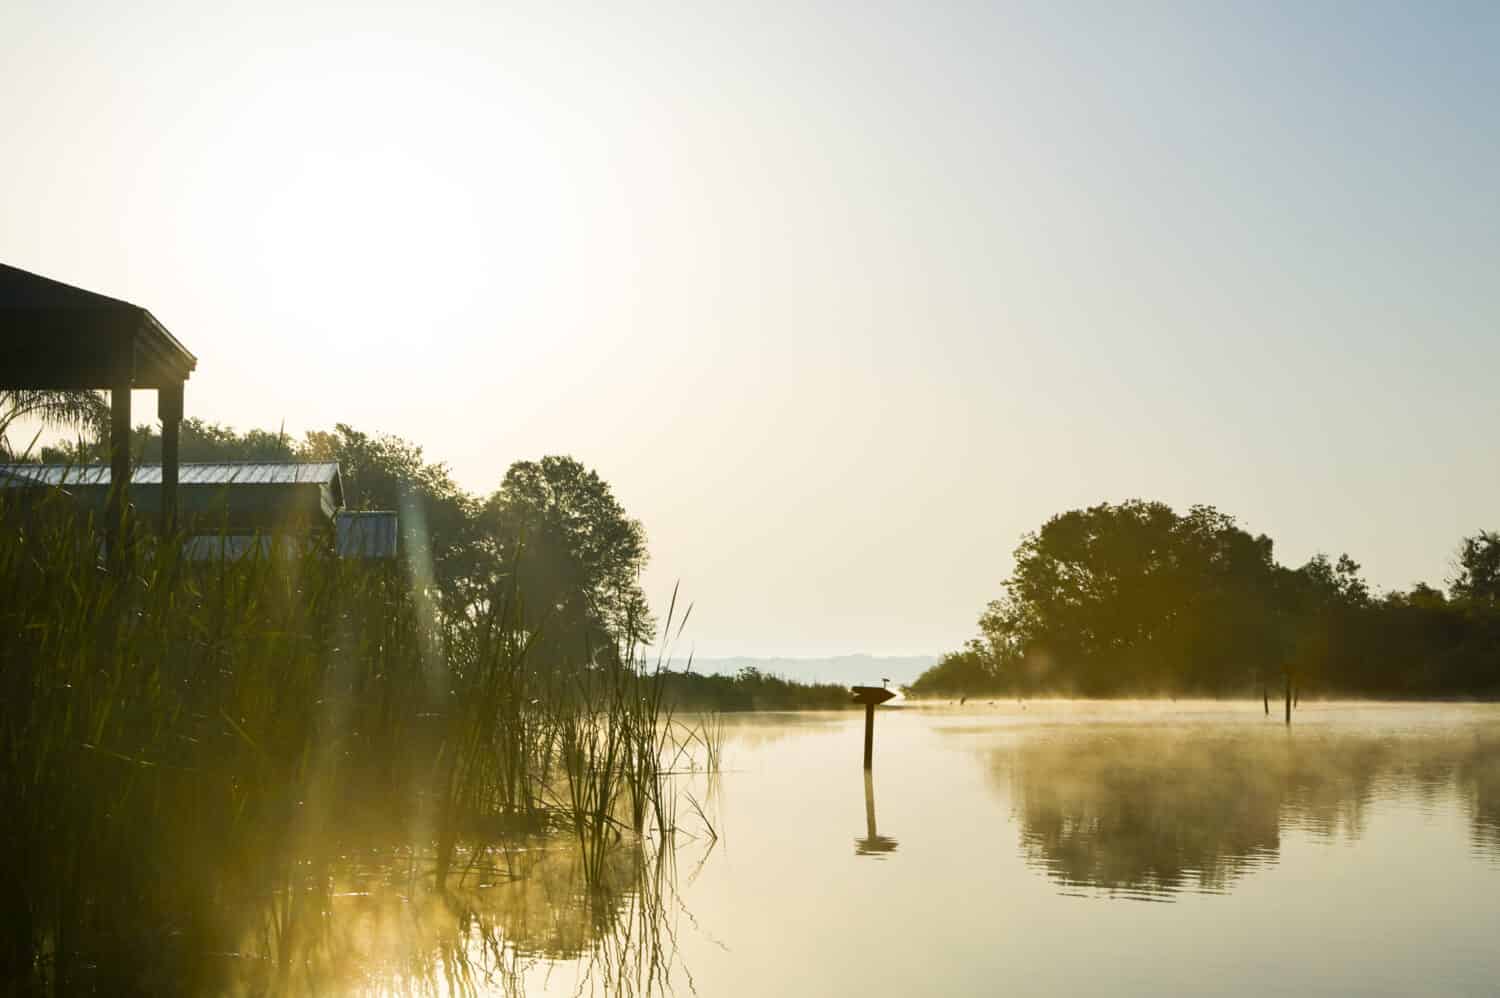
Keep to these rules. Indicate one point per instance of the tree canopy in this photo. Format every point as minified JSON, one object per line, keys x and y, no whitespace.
{"x":1478,"y":575}
{"x":577,"y":556}
{"x":1135,"y":598}
{"x":1143,"y":596}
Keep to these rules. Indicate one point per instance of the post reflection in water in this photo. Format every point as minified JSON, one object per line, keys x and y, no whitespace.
{"x":873,"y":844}
{"x":1149,"y":814}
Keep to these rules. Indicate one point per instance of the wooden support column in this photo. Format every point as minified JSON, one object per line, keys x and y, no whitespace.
{"x":119,"y":456}
{"x":169,"y":411}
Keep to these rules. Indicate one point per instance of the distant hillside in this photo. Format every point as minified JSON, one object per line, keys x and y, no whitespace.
{"x":846,"y":670}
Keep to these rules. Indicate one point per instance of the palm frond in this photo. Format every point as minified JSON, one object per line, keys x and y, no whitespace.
{"x":53,"y":410}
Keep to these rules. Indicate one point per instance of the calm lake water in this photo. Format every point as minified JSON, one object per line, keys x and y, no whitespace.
{"x":1055,"y":848}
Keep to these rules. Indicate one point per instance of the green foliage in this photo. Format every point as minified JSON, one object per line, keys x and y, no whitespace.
{"x":202,"y":441}
{"x":198,"y":440}
{"x":1133,"y":598}
{"x":576,"y":555}
{"x":1137,"y":599}
{"x":969,"y":672}
{"x":1478,"y":577}
{"x":752,"y":689}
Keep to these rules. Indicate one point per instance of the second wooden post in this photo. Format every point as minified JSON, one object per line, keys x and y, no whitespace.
{"x":869,"y":733}
{"x":870,"y":696}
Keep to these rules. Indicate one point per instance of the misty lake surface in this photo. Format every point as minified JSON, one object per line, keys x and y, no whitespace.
{"x":1069,"y":848}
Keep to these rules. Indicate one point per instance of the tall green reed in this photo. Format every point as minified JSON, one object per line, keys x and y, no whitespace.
{"x":191,"y":743}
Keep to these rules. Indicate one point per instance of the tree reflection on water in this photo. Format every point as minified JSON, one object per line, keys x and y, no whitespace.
{"x":1479,"y":777}
{"x":521,"y":909}
{"x":1149,"y":813}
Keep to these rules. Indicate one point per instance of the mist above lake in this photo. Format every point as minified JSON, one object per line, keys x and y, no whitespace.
{"x":1044,"y":847}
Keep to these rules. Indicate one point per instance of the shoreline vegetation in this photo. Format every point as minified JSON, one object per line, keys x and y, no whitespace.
{"x":751,"y":689}
{"x":1137,"y":600}
{"x":552,"y":523}
{"x":198,"y":758}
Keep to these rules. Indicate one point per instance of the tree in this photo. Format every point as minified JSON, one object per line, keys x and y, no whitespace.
{"x":1327,"y":583}
{"x":82,"y":411}
{"x":576,"y":555}
{"x":198,"y":440}
{"x":1134,"y":597}
{"x":202,"y":441}
{"x":959,"y":673}
{"x":1478,"y":578}
{"x":1320,"y":607}
{"x":439,"y":521}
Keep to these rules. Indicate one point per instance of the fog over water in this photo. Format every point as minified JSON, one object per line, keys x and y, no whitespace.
{"x":1045,"y":847}
{"x":1356,"y":853}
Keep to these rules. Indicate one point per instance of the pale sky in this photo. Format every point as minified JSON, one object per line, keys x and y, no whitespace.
{"x":842,"y":299}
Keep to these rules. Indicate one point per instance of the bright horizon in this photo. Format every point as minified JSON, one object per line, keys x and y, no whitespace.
{"x":840,"y":305}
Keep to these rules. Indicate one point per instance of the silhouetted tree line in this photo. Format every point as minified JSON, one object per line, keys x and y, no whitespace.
{"x":1136,"y":599}
{"x":752,"y":689}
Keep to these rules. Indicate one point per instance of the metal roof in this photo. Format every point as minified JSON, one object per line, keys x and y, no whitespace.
{"x":366,"y":533}
{"x":189,"y":473}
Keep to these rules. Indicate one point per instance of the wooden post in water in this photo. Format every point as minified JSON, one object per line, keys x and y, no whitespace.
{"x":870,"y":696}
{"x":1289,"y":698}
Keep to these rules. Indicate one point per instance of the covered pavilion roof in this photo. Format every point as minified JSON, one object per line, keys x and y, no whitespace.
{"x":57,"y":336}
